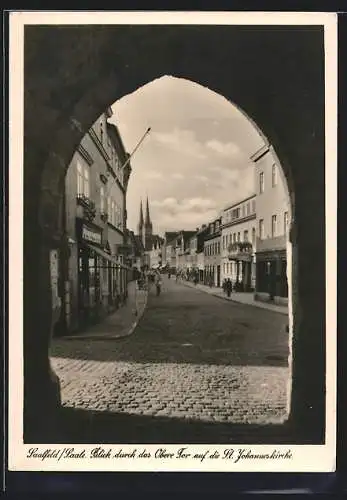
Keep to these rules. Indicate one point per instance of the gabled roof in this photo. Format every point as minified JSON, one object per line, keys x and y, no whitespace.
{"x":138,"y":245}
{"x":170,"y":235}
{"x":152,"y":240}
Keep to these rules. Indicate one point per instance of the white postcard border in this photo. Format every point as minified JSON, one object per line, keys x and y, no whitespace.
{"x":305,"y":458}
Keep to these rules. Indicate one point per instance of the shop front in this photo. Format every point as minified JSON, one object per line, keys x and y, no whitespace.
{"x":100,"y":277}
{"x":241,"y":253}
{"x":271,"y":280}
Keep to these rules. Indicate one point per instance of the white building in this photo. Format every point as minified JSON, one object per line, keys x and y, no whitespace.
{"x":273,"y":216}
{"x":238,"y":242}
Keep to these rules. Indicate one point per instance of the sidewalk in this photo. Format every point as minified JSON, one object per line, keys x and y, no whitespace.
{"x":241,"y":298}
{"x":122,"y":322}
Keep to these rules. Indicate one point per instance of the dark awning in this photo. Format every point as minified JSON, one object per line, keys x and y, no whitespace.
{"x":106,"y":256}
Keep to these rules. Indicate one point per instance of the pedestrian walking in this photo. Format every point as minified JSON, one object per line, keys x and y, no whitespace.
{"x":157,"y":281}
{"x":229,"y":287}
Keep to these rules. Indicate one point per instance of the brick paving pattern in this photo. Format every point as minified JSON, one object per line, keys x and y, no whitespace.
{"x":192,"y":357}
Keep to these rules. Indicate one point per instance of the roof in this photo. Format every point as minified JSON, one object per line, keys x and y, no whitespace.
{"x":114,"y":134}
{"x":239,"y":202}
{"x":170,"y":235}
{"x":138,"y":245}
{"x":152,"y":239}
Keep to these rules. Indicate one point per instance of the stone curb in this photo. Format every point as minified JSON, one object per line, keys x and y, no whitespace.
{"x":259,"y":306}
{"x":111,"y":337}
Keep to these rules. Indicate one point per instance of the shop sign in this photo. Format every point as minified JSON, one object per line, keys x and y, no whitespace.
{"x":92,"y":236}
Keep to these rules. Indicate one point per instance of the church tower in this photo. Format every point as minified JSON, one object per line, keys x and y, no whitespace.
{"x":140,"y":225}
{"x":148,"y":228}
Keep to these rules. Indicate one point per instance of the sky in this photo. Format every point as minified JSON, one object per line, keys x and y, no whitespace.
{"x":195,"y":160}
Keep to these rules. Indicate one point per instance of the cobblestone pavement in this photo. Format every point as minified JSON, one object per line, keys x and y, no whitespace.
{"x":192,"y":357}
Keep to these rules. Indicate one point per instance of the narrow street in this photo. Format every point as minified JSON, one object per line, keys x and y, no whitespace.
{"x":195,"y":367}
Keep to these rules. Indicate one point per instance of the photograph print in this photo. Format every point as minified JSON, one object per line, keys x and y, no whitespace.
{"x":175,"y":272}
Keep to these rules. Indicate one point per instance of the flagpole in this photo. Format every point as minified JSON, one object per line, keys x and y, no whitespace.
{"x":136,"y":148}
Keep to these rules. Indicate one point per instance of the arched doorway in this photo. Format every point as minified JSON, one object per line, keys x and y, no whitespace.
{"x":88,"y":68}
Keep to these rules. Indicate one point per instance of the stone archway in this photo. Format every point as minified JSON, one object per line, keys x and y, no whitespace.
{"x":72,"y":73}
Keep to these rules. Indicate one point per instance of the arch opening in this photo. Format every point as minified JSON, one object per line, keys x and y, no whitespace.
{"x":67,"y":134}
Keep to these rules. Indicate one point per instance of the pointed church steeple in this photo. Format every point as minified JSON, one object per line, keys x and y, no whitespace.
{"x":148,"y":222}
{"x":141,"y":222}
{"x":148,"y":228}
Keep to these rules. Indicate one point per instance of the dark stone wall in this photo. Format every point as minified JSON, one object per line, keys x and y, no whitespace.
{"x":274,"y":74}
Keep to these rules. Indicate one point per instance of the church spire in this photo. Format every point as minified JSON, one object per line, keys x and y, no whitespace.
{"x":148,"y":219}
{"x":141,"y":222}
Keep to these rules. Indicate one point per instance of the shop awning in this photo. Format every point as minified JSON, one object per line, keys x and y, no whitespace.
{"x":106,"y":256}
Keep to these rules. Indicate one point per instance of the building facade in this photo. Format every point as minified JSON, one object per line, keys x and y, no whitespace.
{"x":272,"y":220}
{"x":169,"y":251}
{"x":212,"y":253}
{"x":238,"y":244}
{"x":182,"y":250}
{"x":152,"y":243}
{"x":94,"y":274}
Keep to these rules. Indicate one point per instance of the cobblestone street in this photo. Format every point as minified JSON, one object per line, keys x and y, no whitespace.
{"x":193,"y":358}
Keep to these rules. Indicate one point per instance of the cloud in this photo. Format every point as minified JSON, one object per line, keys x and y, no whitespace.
{"x":153,"y":174}
{"x":174,"y":206}
{"x":202,"y":178}
{"x":181,"y":140}
{"x":228,"y":149}
{"x":177,"y":176}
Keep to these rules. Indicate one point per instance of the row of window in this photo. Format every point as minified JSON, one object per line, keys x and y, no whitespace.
{"x":107,"y":204}
{"x":239,"y":212}
{"x":275,"y":231}
{"x":212,"y":248}
{"x":215,"y":226}
{"x":235,"y":237}
{"x":275,"y":228}
{"x":231,"y":268}
{"x":115,"y":162}
{"x":274,"y":179}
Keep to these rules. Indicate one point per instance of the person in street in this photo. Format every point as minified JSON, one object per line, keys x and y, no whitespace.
{"x":157,"y":281}
{"x":229,"y":287}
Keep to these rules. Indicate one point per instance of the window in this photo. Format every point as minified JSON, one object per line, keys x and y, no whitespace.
{"x":109,"y":208}
{"x":274,"y":175}
{"x":243,"y":210}
{"x":102,"y":200}
{"x":245,"y":235}
{"x":253,"y":235}
{"x":261,"y":229}
{"x":248,"y":208}
{"x":101,"y":133}
{"x":82,"y":180}
{"x":113,"y":212}
{"x":261,"y":182}
{"x":274,"y":226}
{"x":285,"y":222}
{"x":253,"y":206}
{"x":234,"y":238}
{"x":238,"y":236}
